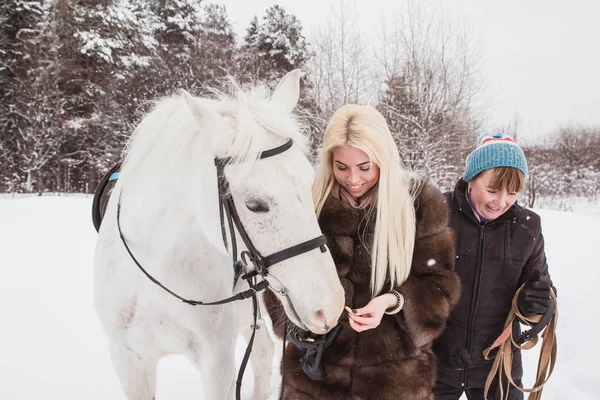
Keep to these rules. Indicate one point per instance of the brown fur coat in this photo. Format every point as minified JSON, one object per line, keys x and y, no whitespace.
{"x":393,"y":361}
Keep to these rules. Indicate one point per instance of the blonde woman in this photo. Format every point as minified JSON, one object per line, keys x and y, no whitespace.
{"x":389,"y":237}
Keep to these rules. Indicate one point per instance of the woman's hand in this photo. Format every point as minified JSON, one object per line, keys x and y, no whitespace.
{"x":369,"y":317}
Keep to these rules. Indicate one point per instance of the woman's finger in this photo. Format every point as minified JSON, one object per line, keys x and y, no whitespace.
{"x":361,"y":320}
{"x":365,"y":311}
{"x":354,"y":325}
{"x":358,"y":327}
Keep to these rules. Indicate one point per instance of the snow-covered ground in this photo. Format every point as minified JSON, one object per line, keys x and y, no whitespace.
{"x":52,"y":346}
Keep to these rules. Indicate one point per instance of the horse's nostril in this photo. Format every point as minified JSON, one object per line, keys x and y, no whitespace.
{"x":320,"y":315}
{"x":320,"y":318}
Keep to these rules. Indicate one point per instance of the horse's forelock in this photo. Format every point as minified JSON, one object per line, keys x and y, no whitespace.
{"x":259,"y":124}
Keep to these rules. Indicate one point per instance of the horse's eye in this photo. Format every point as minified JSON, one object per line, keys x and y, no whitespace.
{"x":257,"y":205}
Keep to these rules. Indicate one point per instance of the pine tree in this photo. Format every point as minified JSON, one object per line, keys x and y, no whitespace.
{"x":273,"y":47}
{"x":430,"y":138}
{"x":217,"y":48}
{"x":28,"y":139}
{"x":101,"y":48}
{"x":196,"y":46}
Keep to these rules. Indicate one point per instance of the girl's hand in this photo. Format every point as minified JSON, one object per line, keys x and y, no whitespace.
{"x":369,"y":317}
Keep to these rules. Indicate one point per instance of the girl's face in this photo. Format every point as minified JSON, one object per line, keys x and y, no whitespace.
{"x":487,"y":201}
{"x":353,"y":170}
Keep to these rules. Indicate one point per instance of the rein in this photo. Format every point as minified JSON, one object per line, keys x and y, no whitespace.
{"x":525,"y":341}
{"x":260,"y":262}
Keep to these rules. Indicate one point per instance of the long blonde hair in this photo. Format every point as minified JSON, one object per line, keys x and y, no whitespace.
{"x":364,"y":128}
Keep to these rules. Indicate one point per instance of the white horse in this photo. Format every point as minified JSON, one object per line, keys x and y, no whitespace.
{"x":168,"y":198}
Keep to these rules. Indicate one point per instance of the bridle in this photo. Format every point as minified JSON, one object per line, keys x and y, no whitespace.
{"x":261,"y":264}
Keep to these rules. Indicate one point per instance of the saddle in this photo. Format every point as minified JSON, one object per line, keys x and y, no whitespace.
{"x":102,"y":194}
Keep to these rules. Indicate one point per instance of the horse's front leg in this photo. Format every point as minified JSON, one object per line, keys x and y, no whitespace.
{"x":212,"y":351}
{"x":261,"y":360}
{"x":137,"y":373}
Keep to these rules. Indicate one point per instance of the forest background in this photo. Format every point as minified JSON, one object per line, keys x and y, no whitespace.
{"x":76,"y":77}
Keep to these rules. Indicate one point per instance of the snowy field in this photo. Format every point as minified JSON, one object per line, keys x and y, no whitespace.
{"x":52,"y":346}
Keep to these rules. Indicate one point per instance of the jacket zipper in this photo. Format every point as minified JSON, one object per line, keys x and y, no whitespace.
{"x":474,"y":300}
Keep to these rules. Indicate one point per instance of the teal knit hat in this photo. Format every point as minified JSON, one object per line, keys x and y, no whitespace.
{"x":497,"y":150}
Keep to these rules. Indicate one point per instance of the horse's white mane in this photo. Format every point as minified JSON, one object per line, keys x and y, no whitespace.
{"x":239,"y":125}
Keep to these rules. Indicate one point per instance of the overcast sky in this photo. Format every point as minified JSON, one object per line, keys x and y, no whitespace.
{"x":541,"y":57}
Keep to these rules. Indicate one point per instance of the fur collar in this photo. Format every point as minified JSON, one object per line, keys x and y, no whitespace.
{"x":339,"y":219}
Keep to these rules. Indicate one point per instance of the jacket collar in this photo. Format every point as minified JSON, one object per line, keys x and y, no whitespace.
{"x":338,"y":218}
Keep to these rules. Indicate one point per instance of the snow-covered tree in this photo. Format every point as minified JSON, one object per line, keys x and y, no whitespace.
{"x":218,"y":46}
{"x":273,"y":47}
{"x":566,"y":165}
{"x":341,"y":66}
{"x":196,"y":46}
{"x":103,"y":48}
{"x":28,"y":140}
{"x":75,"y":76}
{"x":430,"y":70}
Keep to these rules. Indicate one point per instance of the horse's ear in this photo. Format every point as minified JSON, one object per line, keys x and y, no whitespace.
{"x":199,"y":111}
{"x":288,"y":91}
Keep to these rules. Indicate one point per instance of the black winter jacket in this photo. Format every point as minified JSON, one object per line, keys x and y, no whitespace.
{"x":492,"y":260}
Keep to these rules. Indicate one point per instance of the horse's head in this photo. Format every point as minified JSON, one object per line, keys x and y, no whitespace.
{"x":273,"y":199}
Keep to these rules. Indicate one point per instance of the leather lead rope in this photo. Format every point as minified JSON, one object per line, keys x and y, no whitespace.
{"x":240,"y":376}
{"x":503,"y":359}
